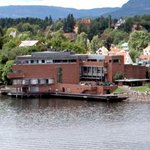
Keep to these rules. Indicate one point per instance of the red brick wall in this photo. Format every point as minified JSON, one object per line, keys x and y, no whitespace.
{"x":76,"y":88}
{"x":113,"y":67}
{"x":105,"y":89}
{"x":72,"y":88}
{"x":90,"y":63}
{"x":70,"y":72}
{"x":138,"y":72}
{"x":47,"y":88}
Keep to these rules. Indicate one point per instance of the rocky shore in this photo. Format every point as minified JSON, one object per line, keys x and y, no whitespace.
{"x":137,"y":96}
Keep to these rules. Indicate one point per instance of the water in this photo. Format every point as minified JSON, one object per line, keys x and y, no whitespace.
{"x":34,"y":124}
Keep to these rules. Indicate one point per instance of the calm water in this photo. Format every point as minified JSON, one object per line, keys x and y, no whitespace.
{"x":73,"y":125}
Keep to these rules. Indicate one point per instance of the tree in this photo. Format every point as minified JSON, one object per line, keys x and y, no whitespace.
{"x":95,"y":43}
{"x":7,"y":69}
{"x":138,"y":40}
{"x":98,"y":26}
{"x":82,"y":40}
{"x":134,"y":54}
{"x":82,"y":28}
{"x":57,"y":40}
{"x":106,"y":39}
{"x":57,"y":25}
{"x":127,"y":26}
{"x":118,"y":76}
{"x":118,"y":36}
{"x":69,"y":24}
{"x":48,"y":20}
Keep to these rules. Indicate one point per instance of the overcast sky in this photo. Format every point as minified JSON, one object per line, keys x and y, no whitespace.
{"x":80,"y":4}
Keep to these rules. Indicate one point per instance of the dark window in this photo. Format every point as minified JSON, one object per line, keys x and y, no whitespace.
{"x":116,"y":60}
{"x":46,"y":81}
{"x":43,"y":61}
{"x":92,"y":60}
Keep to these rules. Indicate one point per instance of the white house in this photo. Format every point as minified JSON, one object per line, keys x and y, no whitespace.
{"x":28,"y":43}
{"x":125,"y":46}
{"x":146,"y":51}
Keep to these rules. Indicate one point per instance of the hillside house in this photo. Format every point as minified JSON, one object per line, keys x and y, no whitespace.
{"x":29,"y":43}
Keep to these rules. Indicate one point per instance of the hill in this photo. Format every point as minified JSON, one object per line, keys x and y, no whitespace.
{"x":55,"y":12}
{"x":132,"y":8}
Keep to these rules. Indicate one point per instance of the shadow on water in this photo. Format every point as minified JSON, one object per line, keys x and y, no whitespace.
{"x":57,"y":103}
{"x":94,"y":111}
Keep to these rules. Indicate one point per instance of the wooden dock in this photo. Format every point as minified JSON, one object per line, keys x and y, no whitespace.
{"x":77,"y":96}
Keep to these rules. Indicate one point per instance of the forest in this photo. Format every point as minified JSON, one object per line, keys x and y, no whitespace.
{"x":89,"y":35}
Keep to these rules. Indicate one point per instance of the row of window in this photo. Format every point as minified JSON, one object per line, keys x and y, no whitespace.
{"x":45,"y":61}
{"x":115,"y":61}
{"x":33,"y":81}
{"x":93,"y":70}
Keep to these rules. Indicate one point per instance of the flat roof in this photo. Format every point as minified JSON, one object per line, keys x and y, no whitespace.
{"x":132,"y":80}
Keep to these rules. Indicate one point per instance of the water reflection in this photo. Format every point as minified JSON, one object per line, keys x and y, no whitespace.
{"x":44,"y":124}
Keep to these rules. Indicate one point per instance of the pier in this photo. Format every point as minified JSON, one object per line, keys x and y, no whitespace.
{"x":77,"y":96}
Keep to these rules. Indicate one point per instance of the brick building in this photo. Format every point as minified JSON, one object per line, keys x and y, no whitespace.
{"x":53,"y":71}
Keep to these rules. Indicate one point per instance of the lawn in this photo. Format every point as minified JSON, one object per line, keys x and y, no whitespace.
{"x":119,"y":90}
{"x":143,"y":88}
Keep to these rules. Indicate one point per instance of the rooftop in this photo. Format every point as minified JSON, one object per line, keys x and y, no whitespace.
{"x":28,"y":43}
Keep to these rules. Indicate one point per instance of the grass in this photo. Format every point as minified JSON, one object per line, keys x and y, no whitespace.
{"x":119,"y":90}
{"x":143,"y":88}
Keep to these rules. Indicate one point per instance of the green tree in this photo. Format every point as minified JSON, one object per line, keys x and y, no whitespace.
{"x":69,"y":24}
{"x":57,"y":39}
{"x":134,"y":54}
{"x":95,"y":43}
{"x":82,"y":40}
{"x":7,"y":69}
{"x":119,"y":75}
{"x":138,"y":40}
{"x":57,"y":25}
{"x":106,"y":39}
{"x":127,"y":26}
{"x":118,"y":36}
{"x":98,"y":26}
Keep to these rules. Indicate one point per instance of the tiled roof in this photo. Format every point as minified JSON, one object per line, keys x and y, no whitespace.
{"x":144,"y":57}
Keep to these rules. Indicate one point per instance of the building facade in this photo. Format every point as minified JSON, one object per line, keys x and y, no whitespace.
{"x":53,"y":71}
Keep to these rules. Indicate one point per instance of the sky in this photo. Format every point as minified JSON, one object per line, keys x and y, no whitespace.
{"x":79,"y":4}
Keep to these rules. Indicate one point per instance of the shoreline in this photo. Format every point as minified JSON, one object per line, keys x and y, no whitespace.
{"x":133,"y":96}
{"x":136,"y":96}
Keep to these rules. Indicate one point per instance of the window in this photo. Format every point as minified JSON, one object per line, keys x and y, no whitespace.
{"x":43,"y":61}
{"x":116,"y":60}
{"x":32,"y":61}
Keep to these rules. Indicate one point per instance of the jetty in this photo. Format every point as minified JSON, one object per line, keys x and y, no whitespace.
{"x":77,"y":96}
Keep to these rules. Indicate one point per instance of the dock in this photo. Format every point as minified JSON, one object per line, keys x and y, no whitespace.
{"x":77,"y":96}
